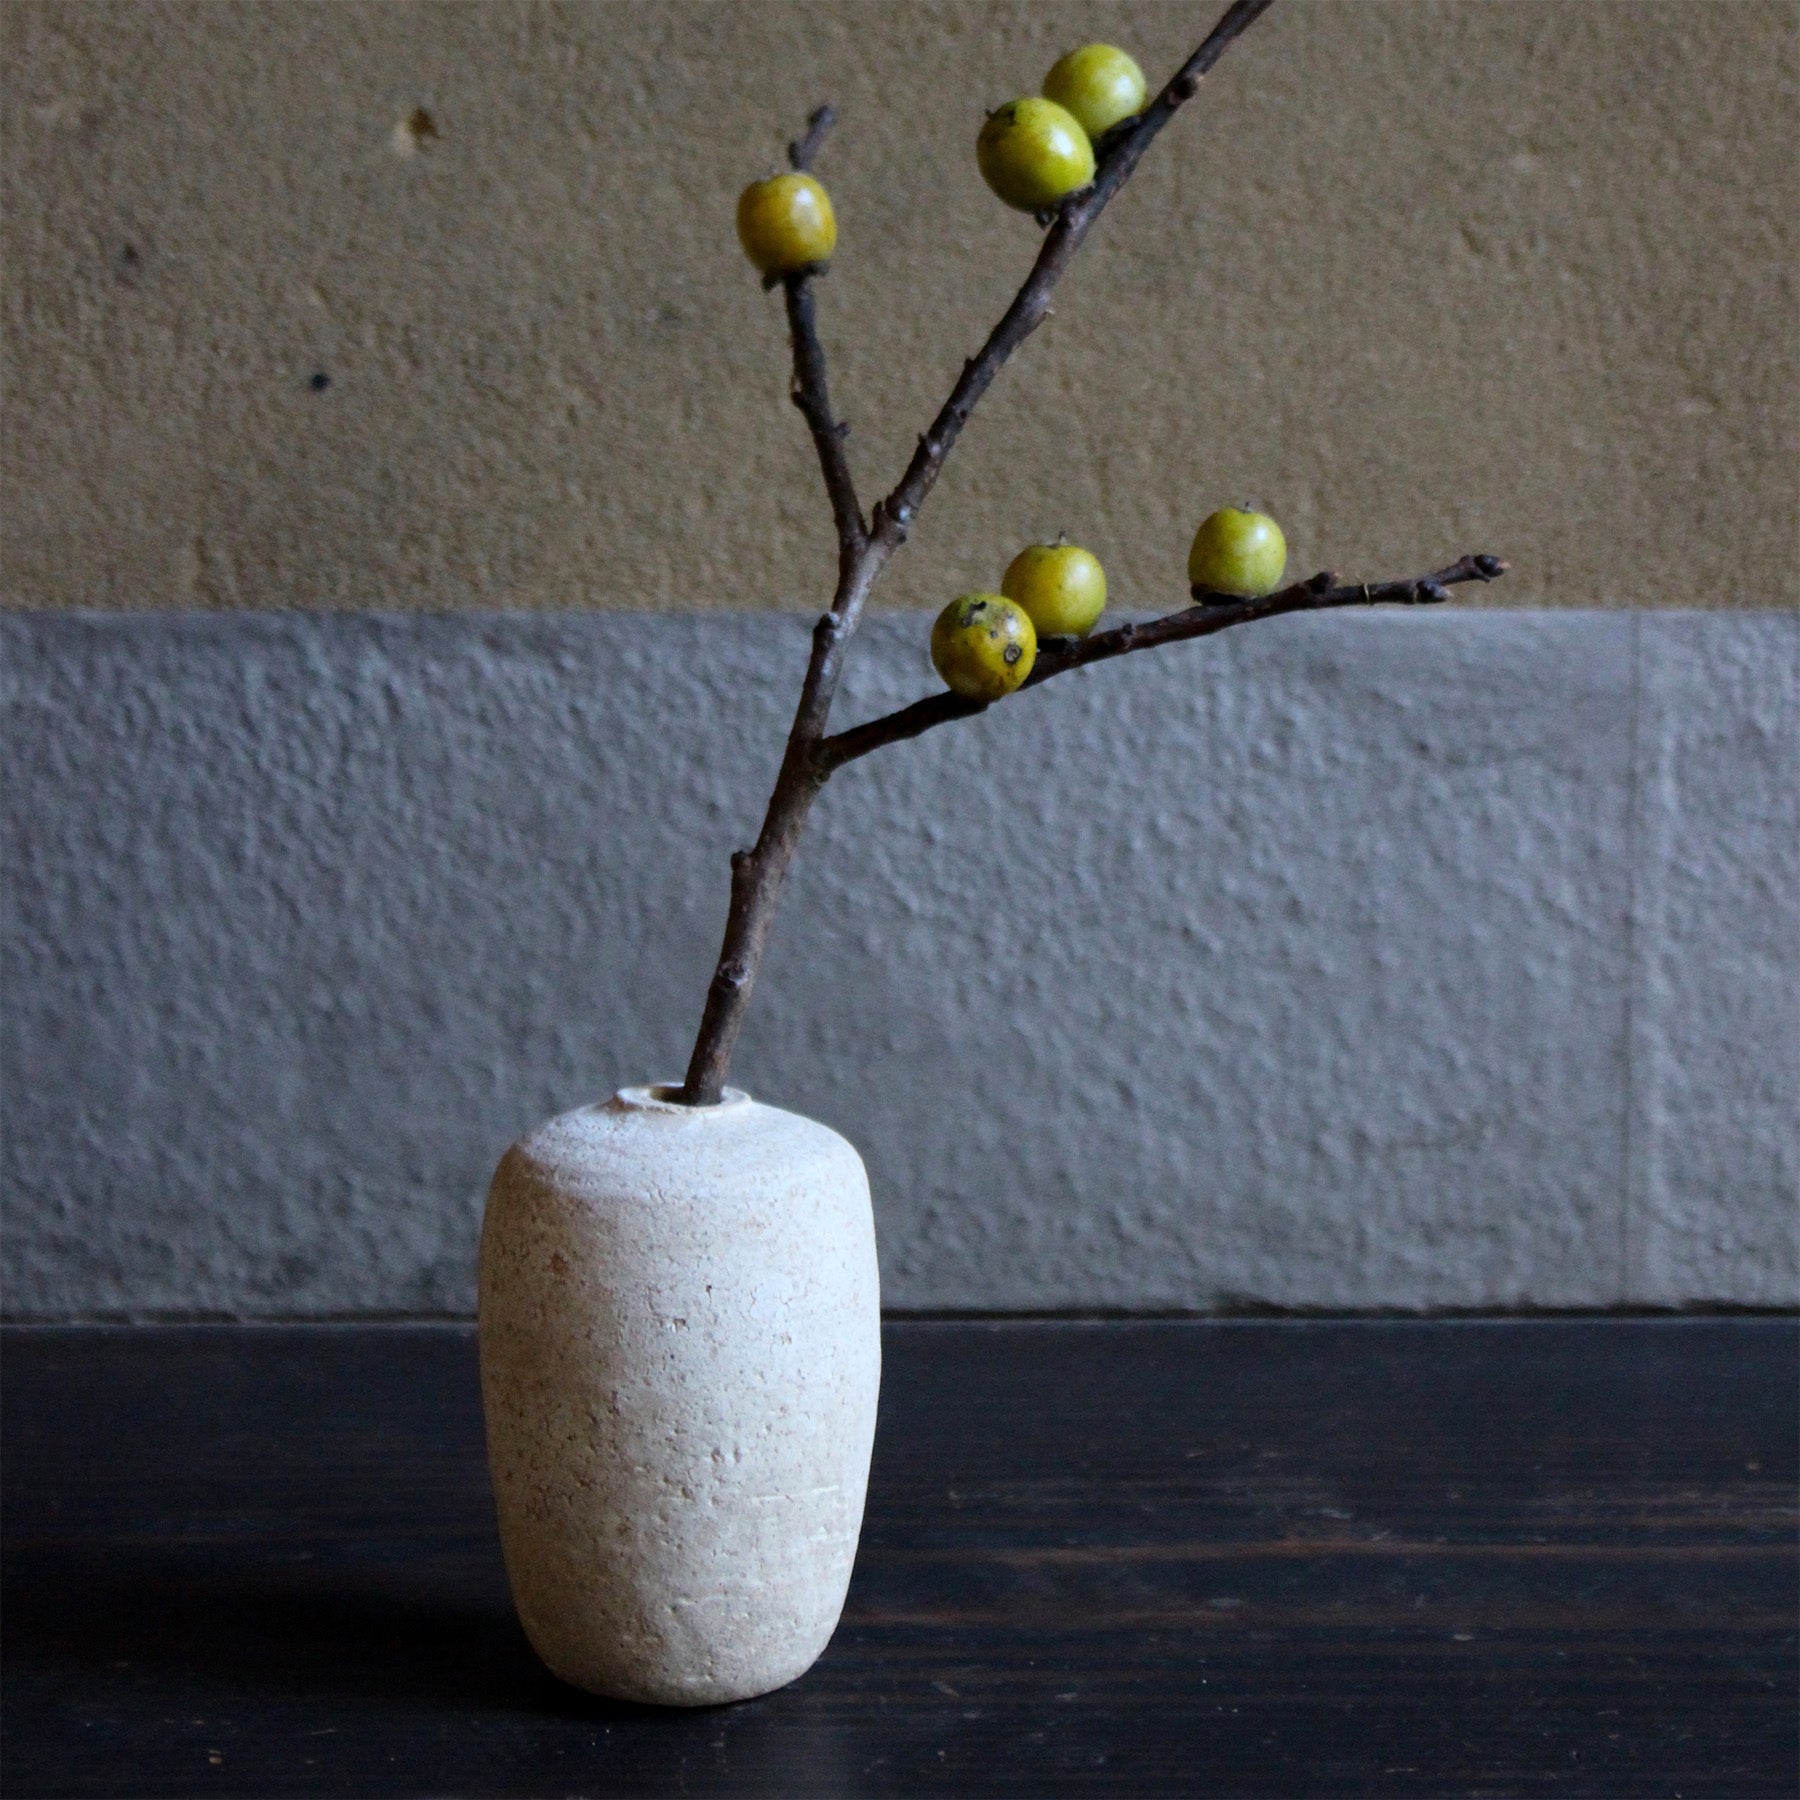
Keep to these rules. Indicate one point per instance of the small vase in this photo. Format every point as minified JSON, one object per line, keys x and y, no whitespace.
{"x":680,"y":1353}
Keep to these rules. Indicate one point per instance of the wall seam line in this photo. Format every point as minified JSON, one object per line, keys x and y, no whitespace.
{"x":1637,"y":837}
{"x":1630,"y":1126}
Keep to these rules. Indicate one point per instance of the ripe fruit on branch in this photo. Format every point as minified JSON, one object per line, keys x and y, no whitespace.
{"x":1238,"y":552}
{"x":1038,"y":156}
{"x":1033,"y":153}
{"x":786,"y":224}
{"x":983,"y":646}
{"x":1061,"y":587}
{"x":1099,"y":84}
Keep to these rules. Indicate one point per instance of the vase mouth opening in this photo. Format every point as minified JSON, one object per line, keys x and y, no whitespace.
{"x":665,"y":1097}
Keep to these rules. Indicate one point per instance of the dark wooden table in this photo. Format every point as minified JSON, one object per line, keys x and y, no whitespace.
{"x":1145,"y":1558}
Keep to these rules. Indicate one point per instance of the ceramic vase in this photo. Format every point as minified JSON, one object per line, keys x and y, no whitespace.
{"x":680,"y":1354}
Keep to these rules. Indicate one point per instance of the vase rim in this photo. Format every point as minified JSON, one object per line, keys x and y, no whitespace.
{"x":658,"y":1097}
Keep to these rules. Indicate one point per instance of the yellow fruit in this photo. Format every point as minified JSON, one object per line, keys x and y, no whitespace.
{"x":786,"y":224}
{"x":1032,"y":153}
{"x":1099,"y":84}
{"x":983,"y":646}
{"x":1061,"y":587}
{"x":1239,"y":553}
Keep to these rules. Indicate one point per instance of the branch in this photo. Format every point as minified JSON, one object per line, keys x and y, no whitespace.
{"x":809,"y":393}
{"x":864,"y":549}
{"x":802,"y":150}
{"x":1121,"y":151}
{"x":1210,"y":613}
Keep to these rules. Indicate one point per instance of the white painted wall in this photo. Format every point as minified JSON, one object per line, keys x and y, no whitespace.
{"x":1433,"y":960}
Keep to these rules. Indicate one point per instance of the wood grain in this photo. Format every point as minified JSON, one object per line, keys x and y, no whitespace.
{"x":1144,"y":1558}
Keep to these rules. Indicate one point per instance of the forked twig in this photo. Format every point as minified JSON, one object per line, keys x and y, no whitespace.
{"x":865,"y":547}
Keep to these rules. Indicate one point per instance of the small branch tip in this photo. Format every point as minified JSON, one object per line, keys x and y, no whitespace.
{"x":802,"y":150}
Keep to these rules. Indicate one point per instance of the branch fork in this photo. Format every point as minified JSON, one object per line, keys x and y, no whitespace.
{"x":866,"y":544}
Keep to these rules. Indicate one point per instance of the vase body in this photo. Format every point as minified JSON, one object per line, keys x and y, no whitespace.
{"x":680,"y":1355}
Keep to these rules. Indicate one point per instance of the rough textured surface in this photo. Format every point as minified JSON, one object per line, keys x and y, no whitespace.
{"x":1129,"y":1559}
{"x":1715,"y":1128}
{"x":1429,"y":960}
{"x":680,"y":1360}
{"x":1414,"y":273}
{"x":1103,"y":1560}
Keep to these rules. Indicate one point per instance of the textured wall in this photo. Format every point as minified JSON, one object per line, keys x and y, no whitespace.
{"x":1442,"y":959}
{"x":1422,"y":276}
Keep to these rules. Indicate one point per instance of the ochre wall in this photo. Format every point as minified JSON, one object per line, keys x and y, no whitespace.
{"x":1420,"y":276}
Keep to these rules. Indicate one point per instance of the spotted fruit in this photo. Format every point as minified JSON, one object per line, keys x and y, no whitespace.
{"x":983,"y":645}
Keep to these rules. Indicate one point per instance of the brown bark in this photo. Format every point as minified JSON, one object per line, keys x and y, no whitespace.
{"x":1210,"y":613}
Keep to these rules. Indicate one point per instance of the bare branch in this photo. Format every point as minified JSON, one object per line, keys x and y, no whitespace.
{"x":810,"y":394}
{"x":758,"y":874}
{"x":1210,"y":613}
{"x":1215,"y":612}
{"x":803,"y":150}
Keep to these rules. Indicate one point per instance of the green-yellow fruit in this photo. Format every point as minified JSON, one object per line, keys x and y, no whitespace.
{"x":983,"y":646}
{"x":1099,"y":84}
{"x":1239,"y":553}
{"x":786,"y":224}
{"x":1061,"y":587}
{"x":1032,"y":153}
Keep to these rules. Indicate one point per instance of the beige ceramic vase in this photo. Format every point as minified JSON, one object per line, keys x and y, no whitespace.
{"x":680,"y":1353}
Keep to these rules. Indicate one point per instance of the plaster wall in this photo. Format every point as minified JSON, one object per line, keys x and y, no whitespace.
{"x":1421,"y":275}
{"x":1442,"y":959}
{"x":1372,"y":962}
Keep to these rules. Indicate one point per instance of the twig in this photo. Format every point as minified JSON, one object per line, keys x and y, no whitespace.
{"x":809,"y":393}
{"x":803,"y":150}
{"x":1209,"y":614}
{"x":757,"y":874}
